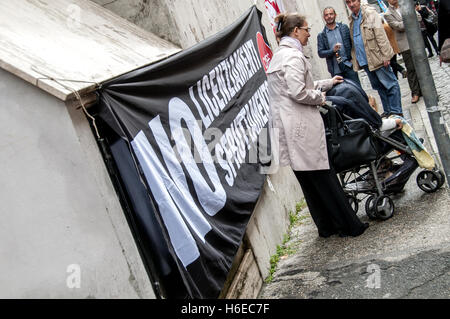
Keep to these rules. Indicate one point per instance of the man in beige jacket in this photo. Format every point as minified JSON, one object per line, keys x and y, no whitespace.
{"x":373,"y":52}
{"x":394,"y":18}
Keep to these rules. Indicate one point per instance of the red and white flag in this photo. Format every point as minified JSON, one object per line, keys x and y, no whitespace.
{"x":274,"y":8}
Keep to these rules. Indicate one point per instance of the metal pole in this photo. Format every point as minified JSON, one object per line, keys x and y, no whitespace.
{"x":426,"y":81}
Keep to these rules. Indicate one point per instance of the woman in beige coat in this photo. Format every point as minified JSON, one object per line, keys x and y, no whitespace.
{"x":299,"y":130}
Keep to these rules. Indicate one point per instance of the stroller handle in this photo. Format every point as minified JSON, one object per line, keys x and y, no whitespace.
{"x":328,"y":106}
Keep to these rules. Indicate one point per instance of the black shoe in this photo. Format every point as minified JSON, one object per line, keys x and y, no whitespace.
{"x":357,"y":233}
{"x":326,"y":234}
{"x":384,"y":114}
{"x":361,"y":231}
{"x":404,"y":74}
{"x":430,"y":55}
{"x":399,"y":114}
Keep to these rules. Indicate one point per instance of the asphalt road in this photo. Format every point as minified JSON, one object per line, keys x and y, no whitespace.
{"x":407,"y":256}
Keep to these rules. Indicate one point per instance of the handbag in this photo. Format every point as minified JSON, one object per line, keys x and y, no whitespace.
{"x":431,"y":22}
{"x":445,"y":51}
{"x":432,"y":17}
{"x":350,"y":143}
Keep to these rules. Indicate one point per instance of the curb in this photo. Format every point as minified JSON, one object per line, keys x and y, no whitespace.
{"x":419,"y":114}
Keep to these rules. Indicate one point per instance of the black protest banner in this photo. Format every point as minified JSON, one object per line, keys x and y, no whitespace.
{"x":195,"y":123}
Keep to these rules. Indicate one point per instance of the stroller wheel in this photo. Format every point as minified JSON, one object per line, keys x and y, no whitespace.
{"x":353,"y":201}
{"x":370,"y":207}
{"x":441,"y":179}
{"x":429,"y":181}
{"x":384,"y":207}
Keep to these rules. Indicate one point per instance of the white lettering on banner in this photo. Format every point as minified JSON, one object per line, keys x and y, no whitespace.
{"x":242,"y":133}
{"x":240,"y":126}
{"x":243,"y":71}
{"x":182,"y":215}
{"x":239,"y":142}
{"x":180,"y":194}
{"x":253,"y":54}
{"x":211,"y":201}
{"x":224,"y":164}
{"x":237,"y":77}
{"x":182,"y":240}
{"x":225,"y":68}
{"x":205,"y":88}
{"x":218,"y":102}
{"x":233,"y":148}
{"x":206,"y":119}
{"x":253,"y":125}
{"x":222,"y":86}
{"x":222,"y":83}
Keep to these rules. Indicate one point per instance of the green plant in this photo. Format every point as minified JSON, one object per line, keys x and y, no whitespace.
{"x":292,"y":218}
{"x":284,"y":249}
{"x":300,"y":206}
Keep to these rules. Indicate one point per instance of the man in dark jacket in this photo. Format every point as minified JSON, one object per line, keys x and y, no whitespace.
{"x":428,"y":29}
{"x":335,"y":45}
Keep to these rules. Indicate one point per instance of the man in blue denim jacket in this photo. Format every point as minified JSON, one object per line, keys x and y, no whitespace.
{"x":334,"y":44}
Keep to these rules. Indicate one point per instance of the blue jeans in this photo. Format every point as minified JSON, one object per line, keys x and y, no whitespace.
{"x":385,"y":83}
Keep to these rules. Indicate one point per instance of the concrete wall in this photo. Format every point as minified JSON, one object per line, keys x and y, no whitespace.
{"x":187,"y":22}
{"x":150,"y":15}
{"x":58,"y":205}
{"x":270,"y":219}
{"x":183,"y":22}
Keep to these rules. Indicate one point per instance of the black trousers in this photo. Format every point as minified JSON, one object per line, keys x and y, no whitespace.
{"x":413,"y":80}
{"x":328,"y":204}
{"x":427,"y":38}
{"x":396,"y":67}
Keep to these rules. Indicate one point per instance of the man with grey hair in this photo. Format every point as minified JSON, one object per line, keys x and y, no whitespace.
{"x":334,"y":44}
{"x":373,"y":52}
{"x":394,"y":18}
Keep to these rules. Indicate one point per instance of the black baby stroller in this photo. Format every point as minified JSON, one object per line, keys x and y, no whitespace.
{"x":368,"y":161}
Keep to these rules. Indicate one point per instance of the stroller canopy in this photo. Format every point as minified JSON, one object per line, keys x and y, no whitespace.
{"x":352,"y":101}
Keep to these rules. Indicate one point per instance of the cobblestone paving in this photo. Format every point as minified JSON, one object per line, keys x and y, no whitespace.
{"x":441,"y":77}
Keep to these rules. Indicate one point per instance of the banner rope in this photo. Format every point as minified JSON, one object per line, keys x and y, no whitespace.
{"x":75,"y":92}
